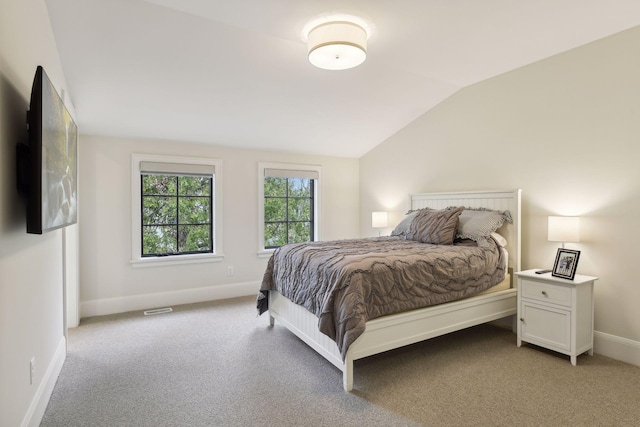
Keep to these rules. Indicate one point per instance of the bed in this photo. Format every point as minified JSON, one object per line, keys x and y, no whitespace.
{"x":412,"y":325}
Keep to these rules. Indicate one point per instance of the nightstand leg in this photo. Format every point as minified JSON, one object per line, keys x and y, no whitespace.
{"x":590,"y":352}
{"x":574,"y":360}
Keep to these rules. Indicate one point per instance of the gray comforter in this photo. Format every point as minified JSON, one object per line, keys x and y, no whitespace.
{"x":345,"y":283}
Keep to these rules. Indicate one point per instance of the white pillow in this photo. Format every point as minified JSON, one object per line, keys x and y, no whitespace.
{"x":501,"y":241}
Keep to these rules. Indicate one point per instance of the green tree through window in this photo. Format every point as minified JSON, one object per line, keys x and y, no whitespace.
{"x":288,"y":211}
{"x":176,"y":214}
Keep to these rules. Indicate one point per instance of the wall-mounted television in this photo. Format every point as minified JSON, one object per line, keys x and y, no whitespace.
{"x":48,"y":165}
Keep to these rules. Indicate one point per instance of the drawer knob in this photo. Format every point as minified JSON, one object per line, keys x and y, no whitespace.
{"x":544,"y":293}
{"x":522,"y":319}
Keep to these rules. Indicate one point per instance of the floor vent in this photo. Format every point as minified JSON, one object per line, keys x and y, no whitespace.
{"x":158,"y":311}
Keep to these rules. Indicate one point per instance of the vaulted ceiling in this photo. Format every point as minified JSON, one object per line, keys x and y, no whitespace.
{"x":236,"y":73}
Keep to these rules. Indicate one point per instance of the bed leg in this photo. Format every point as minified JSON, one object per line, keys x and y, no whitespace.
{"x":347,"y":373}
{"x":272,"y":320}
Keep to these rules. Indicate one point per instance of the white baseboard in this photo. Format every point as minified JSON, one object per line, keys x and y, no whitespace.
{"x":618,"y":348}
{"x":100,"y":307}
{"x":40,"y":400}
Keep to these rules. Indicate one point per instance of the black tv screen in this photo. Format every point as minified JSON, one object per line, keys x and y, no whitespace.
{"x":52,"y":167}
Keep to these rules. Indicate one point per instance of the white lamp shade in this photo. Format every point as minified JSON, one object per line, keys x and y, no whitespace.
{"x":564,"y":229}
{"x":379,"y":219}
{"x":337,"y":45}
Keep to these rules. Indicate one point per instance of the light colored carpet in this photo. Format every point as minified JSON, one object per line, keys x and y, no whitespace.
{"x":217,"y":364}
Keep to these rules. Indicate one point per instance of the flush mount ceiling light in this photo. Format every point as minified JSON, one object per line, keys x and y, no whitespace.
{"x":337,"y":45}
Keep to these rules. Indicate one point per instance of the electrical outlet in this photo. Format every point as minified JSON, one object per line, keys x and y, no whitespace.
{"x":32,"y":370}
{"x":230,"y":270}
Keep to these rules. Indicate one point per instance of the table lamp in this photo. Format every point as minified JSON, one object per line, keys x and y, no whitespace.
{"x":379,"y":220}
{"x":565,"y":229}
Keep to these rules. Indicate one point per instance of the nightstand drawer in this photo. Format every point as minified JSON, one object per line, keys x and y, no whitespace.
{"x":547,"y":292}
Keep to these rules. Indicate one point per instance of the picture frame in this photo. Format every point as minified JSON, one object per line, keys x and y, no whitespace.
{"x":566,"y":263}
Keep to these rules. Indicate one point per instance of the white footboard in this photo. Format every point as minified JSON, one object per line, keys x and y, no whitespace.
{"x":394,"y":331}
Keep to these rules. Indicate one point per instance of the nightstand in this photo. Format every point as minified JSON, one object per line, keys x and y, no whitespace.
{"x":556,"y":313}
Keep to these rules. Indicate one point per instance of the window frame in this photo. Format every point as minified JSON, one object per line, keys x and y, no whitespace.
{"x":317,"y":202}
{"x":137,"y":260}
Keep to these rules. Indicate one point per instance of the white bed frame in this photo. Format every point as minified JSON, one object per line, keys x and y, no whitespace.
{"x":394,"y":331}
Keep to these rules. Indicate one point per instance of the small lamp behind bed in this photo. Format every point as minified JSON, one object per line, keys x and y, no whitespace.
{"x":379,"y":220}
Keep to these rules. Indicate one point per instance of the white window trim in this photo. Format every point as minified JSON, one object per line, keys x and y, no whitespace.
{"x":136,"y":241}
{"x":262,"y":252}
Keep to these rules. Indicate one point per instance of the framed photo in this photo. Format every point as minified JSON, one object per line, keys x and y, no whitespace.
{"x":566,"y":264}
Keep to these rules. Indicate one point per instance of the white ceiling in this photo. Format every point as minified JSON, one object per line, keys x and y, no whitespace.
{"x":235,"y":72}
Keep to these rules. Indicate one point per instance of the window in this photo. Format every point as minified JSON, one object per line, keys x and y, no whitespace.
{"x":288,"y":204}
{"x":288,"y":211}
{"x":176,"y":203}
{"x":176,"y":214}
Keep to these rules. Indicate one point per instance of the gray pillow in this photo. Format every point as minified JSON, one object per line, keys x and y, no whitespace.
{"x":478,"y":223}
{"x":403,"y":228}
{"x":434,"y":226}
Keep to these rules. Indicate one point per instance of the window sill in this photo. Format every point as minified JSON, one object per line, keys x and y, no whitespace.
{"x":176,"y":260}
{"x":265,"y":253}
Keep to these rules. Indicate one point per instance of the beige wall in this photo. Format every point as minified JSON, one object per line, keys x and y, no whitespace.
{"x":31,"y":266}
{"x":108,"y":281}
{"x":566,"y":131}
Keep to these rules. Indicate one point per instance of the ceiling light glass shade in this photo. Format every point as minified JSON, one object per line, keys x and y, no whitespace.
{"x":337,"y":45}
{"x":564,"y":229}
